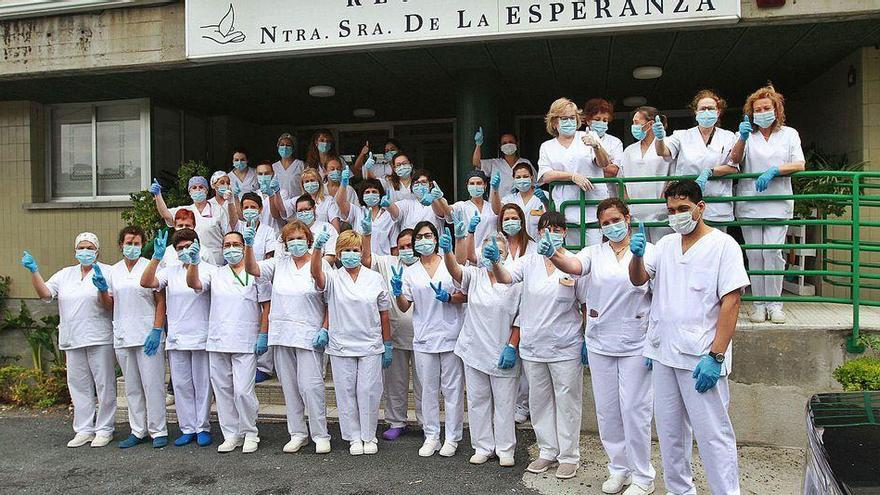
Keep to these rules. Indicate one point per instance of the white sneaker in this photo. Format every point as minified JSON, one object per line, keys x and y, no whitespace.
{"x":169,"y":399}
{"x":371,"y":448}
{"x":758,"y":315}
{"x":429,"y":447}
{"x":506,"y":461}
{"x":101,"y":440}
{"x":230,"y":444}
{"x":356,"y":448}
{"x":322,"y":446}
{"x":615,"y":483}
{"x":81,"y":439}
{"x":478,"y":459}
{"x":250,"y":445}
{"x":777,"y":315}
{"x":449,"y":449}
{"x":295,"y":444}
{"x":637,"y":489}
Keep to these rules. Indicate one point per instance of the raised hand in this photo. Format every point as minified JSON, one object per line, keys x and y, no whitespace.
{"x":490,"y":251}
{"x":396,"y":281}
{"x":98,"y":279}
{"x":475,"y":220}
{"x":236,"y":189}
{"x":745,"y":128}
{"x":385,"y":202}
{"x":250,"y":233}
{"x":495,"y":181}
{"x":478,"y":137}
{"x":193,"y":252}
{"x":155,"y":188}
{"x":369,"y":163}
{"x":274,"y":186}
{"x":321,"y":239}
{"x":659,"y":130}
{"x":345,"y":176}
{"x":446,"y":241}
{"x":367,"y":222}
{"x":459,"y":225}
{"x":440,"y":293}
{"x":28,"y":261}
{"x":638,"y":241}
{"x":545,"y":245}
{"x":426,"y":199}
{"x":436,"y":192}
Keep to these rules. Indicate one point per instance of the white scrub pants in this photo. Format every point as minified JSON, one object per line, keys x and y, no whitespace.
{"x":396,"y":395}
{"x":191,"y":380}
{"x":766,"y":259}
{"x":555,"y":392}
{"x":490,"y":401}
{"x":358,"y":384}
{"x":441,"y":372}
{"x":232,"y":377}
{"x":266,"y":362}
{"x":681,"y":413}
{"x":300,"y":373}
{"x":624,"y":399}
{"x":144,"y":390}
{"x":92,"y":370}
{"x":522,"y":396}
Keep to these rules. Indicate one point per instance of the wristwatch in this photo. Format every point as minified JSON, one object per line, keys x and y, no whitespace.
{"x":719,"y":358}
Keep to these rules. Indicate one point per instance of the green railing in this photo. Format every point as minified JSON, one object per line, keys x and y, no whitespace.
{"x":854,"y":191}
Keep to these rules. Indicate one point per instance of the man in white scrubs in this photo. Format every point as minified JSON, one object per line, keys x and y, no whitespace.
{"x":698,"y":278}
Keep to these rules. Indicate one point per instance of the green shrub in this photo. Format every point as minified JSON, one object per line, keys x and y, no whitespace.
{"x":859,"y":374}
{"x":41,"y":335}
{"x":28,"y":387}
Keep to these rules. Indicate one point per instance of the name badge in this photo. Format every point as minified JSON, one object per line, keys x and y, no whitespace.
{"x":567,"y":282}
{"x":536,"y":213}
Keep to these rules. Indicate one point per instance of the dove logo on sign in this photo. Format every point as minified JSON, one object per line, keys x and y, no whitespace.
{"x":224,"y":31}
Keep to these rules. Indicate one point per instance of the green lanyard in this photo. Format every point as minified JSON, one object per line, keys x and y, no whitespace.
{"x":246,"y":277}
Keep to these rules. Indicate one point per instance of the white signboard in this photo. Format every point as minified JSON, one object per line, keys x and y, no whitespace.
{"x":221,"y":28}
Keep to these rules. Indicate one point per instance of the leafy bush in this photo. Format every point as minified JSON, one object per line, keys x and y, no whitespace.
{"x":819,"y":161}
{"x":30,"y":387}
{"x":859,"y":374}
{"x":40,"y":335}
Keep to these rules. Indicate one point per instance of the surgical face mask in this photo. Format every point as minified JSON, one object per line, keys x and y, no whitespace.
{"x":311,"y":187}
{"x":264,"y":180}
{"x":638,"y":132}
{"x":682,"y":223}
{"x":616,"y":231}
{"x":389,"y":155}
{"x":233,"y":255}
{"x":556,"y":238}
{"x":306,"y":216}
{"x":350,"y":259}
{"x":297,"y":247}
{"x":425,"y":246}
{"x":251,"y":214}
{"x":285,"y":151}
{"x":324,"y":146}
{"x":371,"y":199}
{"x":239,"y":164}
{"x":222,"y":190}
{"x":511,"y":227}
{"x":334,"y":175}
{"x":419,"y":189}
{"x":131,"y":251}
{"x":508,"y":148}
{"x":600,"y":127}
{"x":476,"y":191}
{"x":764,"y":119}
{"x":406,"y":256}
{"x":707,"y":118}
{"x":403,"y":170}
{"x":198,"y":195}
{"x":86,"y":257}
{"x":567,"y":127}
{"x":522,"y":184}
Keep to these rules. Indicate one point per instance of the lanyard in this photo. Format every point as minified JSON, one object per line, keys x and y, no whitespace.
{"x":246,"y":277}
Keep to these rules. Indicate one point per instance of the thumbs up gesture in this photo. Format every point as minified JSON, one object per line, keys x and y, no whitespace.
{"x":446,"y":241}
{"x":659,"y":130}
{"x":745,"y":128}
{"x":638,"y":241}
{"x":545,"y":245}
{"x":321,"y":239}
{"x":478,"y":137}
{"x":490,"y":251}
{"x":370,"y":162}
{"x":345,"y":177}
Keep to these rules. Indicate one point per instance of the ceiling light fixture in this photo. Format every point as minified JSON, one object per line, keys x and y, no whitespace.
{"x":322,"y":91}
{"x":647,"y":72}
{"x":364,"y":113}
{"x":634,"y":101}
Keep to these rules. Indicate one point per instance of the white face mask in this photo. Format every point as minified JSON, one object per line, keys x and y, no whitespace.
{"x":683,"y":223}
{"x":508,"y":148}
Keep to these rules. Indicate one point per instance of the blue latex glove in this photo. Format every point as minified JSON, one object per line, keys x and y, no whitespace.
{"x":490,"y":251}
{"x":367,"y":222}
{"x":495,"y":181}
{"x":659,"y":130}
{"x":386,"y":354}
{"x":321,"y":339}
{"x":155,"y":188}
{"x":541,"y":195}
{"x":545,"y":245}
{"x":475,"y":220}
{"x":369,"y":163}
{"x":585,"y":357}
{"x":440,"y":293}
{"x":396,"y":281}
{"x":236,"y":189}
{"x":28,"y":261}
{"x":459,"y":225}
{"x":262,"y":344}
{"x":98,"y":279}
{"x":183,"y":257}
{"x":194,"y":252}
{"x":764,"y":179}
{"x":436,"y":192}
{"x":649,"y":363}
{"x":160,"y":243}
{"x":446,"y":241}
{"x":274,"y":186}
{"x":507,"y":359}
{"x":478,"y":137}
{"x":265,"y":188}
{"x":427,"y":199}
{"x":638,"y":241}
{"x":151,"y":344}
{"x":706,"y":373}
{"x":745,"y":128}
{"x":385,"y":202}
{"x":249,"y":234}
{"x":321,"y":239}
{"x":345,"y":177}
{"x":703,"y":178}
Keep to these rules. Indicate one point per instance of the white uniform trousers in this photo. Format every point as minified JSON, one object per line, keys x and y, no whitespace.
{"x":92,"y":370}
{"x":441,"y":372}
{"x":396,"y":396}
{"x":300,"y":373}
{"x":266,"y":362}
{"x":679,"y":407}
{"x":624,"y":400}
{"x":522,"y":397}
{"x":765,"y":259}
{"x":490,"y":404}
{"x":144,"y":390}
{"x":191,"y":380}
{"x":555,"y":392}
{"x":358,"y":384}
{"x":232,"y":377}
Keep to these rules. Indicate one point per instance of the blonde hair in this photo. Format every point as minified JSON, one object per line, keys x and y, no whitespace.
{"x":557,"y":109}
{"x":770,"y":93}
{"x":347,"y":240}
{"x":296,"y":227}
{"x":319,"y":194}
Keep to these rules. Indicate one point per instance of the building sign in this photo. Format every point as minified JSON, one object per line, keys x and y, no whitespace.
{"x":220,"y":28}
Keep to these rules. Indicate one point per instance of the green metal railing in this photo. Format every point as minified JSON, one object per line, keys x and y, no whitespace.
{"x":835,"y":271}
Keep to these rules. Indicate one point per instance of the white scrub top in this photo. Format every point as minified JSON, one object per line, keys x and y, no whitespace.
{"x":549,"y":318}
{"x":212,"y":223}
{"x":412,"y":212}
{"x":289,"y":177}
{"x":84,"y":321}
{"x":531,"y":247}
{"x":354,"y":305}
{"x":264,"y":242}
{"x":235,"y":310}
{"x":328,"y":209}
{"x":577,"y":158}
{"x":395,"y":195}
{"x":617,"y":312}
{"x":533,"y":209}
{"x":687,"y":297}
{"x":383,"y":227}
{"x":692,"y":156}
{"x":317,"y":227}
{"x":488,"y":219}
{"x":266,"y":214}
{"x":298,"y":307}
{"x":488,"y":316}
{"x":436,"y":324}
{"x":491,"y":165}
{"x":401,"y":322}
{"x":186,"y":311}
{"x":249,"y":184}
{"x":134,"y":307}
{"x":784,"y":146}
{"x":634,"y":164}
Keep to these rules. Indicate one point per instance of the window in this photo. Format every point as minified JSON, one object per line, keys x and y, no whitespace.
{"x":98,"y":151}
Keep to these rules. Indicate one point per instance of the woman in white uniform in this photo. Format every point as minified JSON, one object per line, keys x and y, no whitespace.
{"x":617,"y":320}
{"x":643,"y":159}
{"x":598,"y":114}
{"x":476,"y":209}
{"x":704,"y":151}
{"x":551,"y":347}
{"x":773,"y":150}
{"x":252,"y":210}
{"x":367,"y":166}
{"x":138,"y":334}
{"x":359,"y":340}
{"x":187,"y":314}
{"x":242,"y":177}
{"x":211,"y":222}
{"x":223,"y":197}
{"x":399,"y":183}
{"x":436,"y":325}
{"x":512,"y":224}
{"x":333,"y":182}
{"x":425,"y":204}
{"x":381,"y":225}
{"x":529,"y":198}
{"x":504,"y":164}
{"x":239,"y":304}
{"x":313,"y":185}
{"x":85,"y":334}
{"x":321,"y":150}
{"x":487,"y":345}
{"x":297,"y":318}
{"x":287,"y":168}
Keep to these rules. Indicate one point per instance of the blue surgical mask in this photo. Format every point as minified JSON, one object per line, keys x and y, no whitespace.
{"x":324,"y":147}
{"x":616,"y":231}
{"x":567,"y":127}
{"x":404,"y":170}
{"x":557,"y":238}
{"x":198,"y":196}
{"x":285,"y":151}
{"x":239,"y":164}
{"x":389,"y":155}
{"x":406,"y":256}
{"x":764,"y":119}
{"x":306,"y":216}
{"x":311,"y":187}
{"x":707,"y":118}
{"x":297,"y":247}
{"x":251,"y":214}
{"x":222,"y":190}
{"x":264,"y":180}
{"x":371,"y":199}
{"x":476,"y":191}
{"x":522,"y":184}
{"x":350,"y":259}
{"x":511,"y":227}
{"x":419,"y":189}
{"x":638,"y":132}
{"x":599,"y":127}
{"x":233,"y":255}
{"x":334,"y":175}
{"x":131,"y":251}
{"x":425,"y":246}
{"x":86,"y":257}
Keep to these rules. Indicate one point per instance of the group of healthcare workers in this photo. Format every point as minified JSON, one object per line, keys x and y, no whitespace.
{"x":288,"y":264}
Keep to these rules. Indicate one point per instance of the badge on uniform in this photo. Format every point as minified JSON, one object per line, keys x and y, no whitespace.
{"x":566,"y":281}
{"x":536,"y":212}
